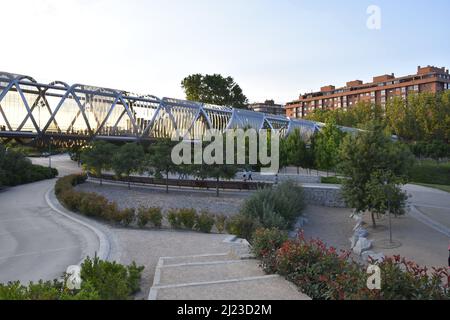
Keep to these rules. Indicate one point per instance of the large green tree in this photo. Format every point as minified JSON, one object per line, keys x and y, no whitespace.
{"x":326,"y":147}
{"x":214,"y":89}
{"x":294,"y":151}
{"x":128,"y":159}
{"x":97,"y":157}
{"x":160,"y":159}
{"x":370,"y":160}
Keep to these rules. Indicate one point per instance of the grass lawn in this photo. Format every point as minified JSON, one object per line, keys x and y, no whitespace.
{"x":435,"y":186}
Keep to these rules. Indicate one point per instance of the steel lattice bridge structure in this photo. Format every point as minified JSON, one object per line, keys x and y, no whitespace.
{"x":74,"y":114}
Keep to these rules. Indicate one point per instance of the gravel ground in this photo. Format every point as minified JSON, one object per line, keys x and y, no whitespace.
{"x":227,"y":204}
{"x":420,"y":243}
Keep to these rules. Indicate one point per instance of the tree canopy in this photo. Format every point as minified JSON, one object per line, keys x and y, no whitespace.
{"x":372,"y":162}
{"x":214,"y":89}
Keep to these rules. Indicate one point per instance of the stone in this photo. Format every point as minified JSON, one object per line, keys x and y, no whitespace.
{"x":359,"y":223}
{"x":362,"y":245}
{"x":353,"y":241}
{"x":362,"y":233}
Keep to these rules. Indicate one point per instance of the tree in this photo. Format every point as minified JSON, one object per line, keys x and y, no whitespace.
{"x":327,"y":146}
{"x":217,"y":172}
{"x":160,"y":159}
{"x":217,"y":169}
{"x":367,"y":159}
{"x":98,"y":157}
{"x":128,"y":159}
{"x":295,"y":150}
{"x":214,"y":89}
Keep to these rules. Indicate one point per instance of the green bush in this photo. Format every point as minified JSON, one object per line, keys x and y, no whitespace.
{"x":127,"y":216}
{"x":204,"y":222}
{"x":221,"y":221}
{"x":102,"y":280}
{"x":143,"y":217}
{"x":242,"y":226}
{"x":155,"y":216}
{"x":174,"y":219}
{"x":278,"y":207}
{"x":112,"y":281}
{"x":187,"y":217}
{"x":16,"y":169}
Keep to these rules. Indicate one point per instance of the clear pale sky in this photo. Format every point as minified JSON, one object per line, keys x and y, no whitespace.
{"x":273,"y":49}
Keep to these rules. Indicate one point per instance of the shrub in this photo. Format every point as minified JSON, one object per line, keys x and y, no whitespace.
{"x":265,"y":244}
{"x":204,"y":222}
{"x":142,"y":217}
{"x":221,"y":221}
{"x":156,"y":216}
{"x":127,"y":216}
{"x":242,"y":226}
{"x":112,"y":281}
{"x":323,"y":273}
{"x":187,"y":217}
{"x":101,"y":280}
{"x":278,"y":207}
{"x":174,"y":219}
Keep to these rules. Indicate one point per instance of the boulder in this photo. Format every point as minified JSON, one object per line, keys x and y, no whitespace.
{"x":362,"y":245}
{"x":362,"y":233}
{"x":359,"y":223}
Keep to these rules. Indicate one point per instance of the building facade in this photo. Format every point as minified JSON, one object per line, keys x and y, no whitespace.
{"x":381,"y":89}
{"x":268,"y":107}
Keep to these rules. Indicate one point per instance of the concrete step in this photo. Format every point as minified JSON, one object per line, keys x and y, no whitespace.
{"x":186,"y":273}
{"x":168,"y":261}
{"x":252,"y":288}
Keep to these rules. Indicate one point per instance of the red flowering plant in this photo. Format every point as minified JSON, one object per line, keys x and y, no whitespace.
{"x":405,"y":280}
{"x":324,"y":273}
{"x":320,"y":271}
{"x":265,"y":244}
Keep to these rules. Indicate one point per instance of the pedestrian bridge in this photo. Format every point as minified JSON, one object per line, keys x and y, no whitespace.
{"x":33,"y":110}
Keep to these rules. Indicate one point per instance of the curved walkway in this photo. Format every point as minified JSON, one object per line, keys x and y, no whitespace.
{"x":37,"y":242}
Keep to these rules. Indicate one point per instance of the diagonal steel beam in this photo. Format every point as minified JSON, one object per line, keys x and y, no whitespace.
{"x":130,"y":115}
{"x":22,"y":96}
{"x":81,"y":106}
{"x":152,"y":121}
{"x":118,"y":120}
{"x":35,"y":103}
{"x":52,"y":117}
{"x":113,"y":106}
{"x":6,"y":119}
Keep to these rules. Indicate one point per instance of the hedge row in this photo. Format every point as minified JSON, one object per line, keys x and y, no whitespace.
{"x":101,"y":280}
{"x":97,"y":206}
{"x":325,"y":274}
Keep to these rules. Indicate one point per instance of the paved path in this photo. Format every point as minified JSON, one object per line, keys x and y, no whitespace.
{"x":430,"y":206}
{"x":35,"y":241}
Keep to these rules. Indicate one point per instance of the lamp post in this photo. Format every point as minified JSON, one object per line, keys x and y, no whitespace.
{"x":50,"y":153}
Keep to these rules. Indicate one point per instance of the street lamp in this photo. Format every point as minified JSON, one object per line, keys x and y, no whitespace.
{"x":50,"y":153}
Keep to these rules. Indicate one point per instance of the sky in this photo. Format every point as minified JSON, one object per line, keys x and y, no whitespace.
{"x":274,"y":49}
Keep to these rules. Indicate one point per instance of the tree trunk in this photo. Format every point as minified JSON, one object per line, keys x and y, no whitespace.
{"x":217,"y":188}
{"x":129,"y":183}
{"x":167,"y":182}
{"x":298,"y":170}
{"x":374,"y":221}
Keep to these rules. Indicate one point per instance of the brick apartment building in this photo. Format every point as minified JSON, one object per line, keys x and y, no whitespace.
{"x":269,"y":107}
{"x":383,"y":88}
